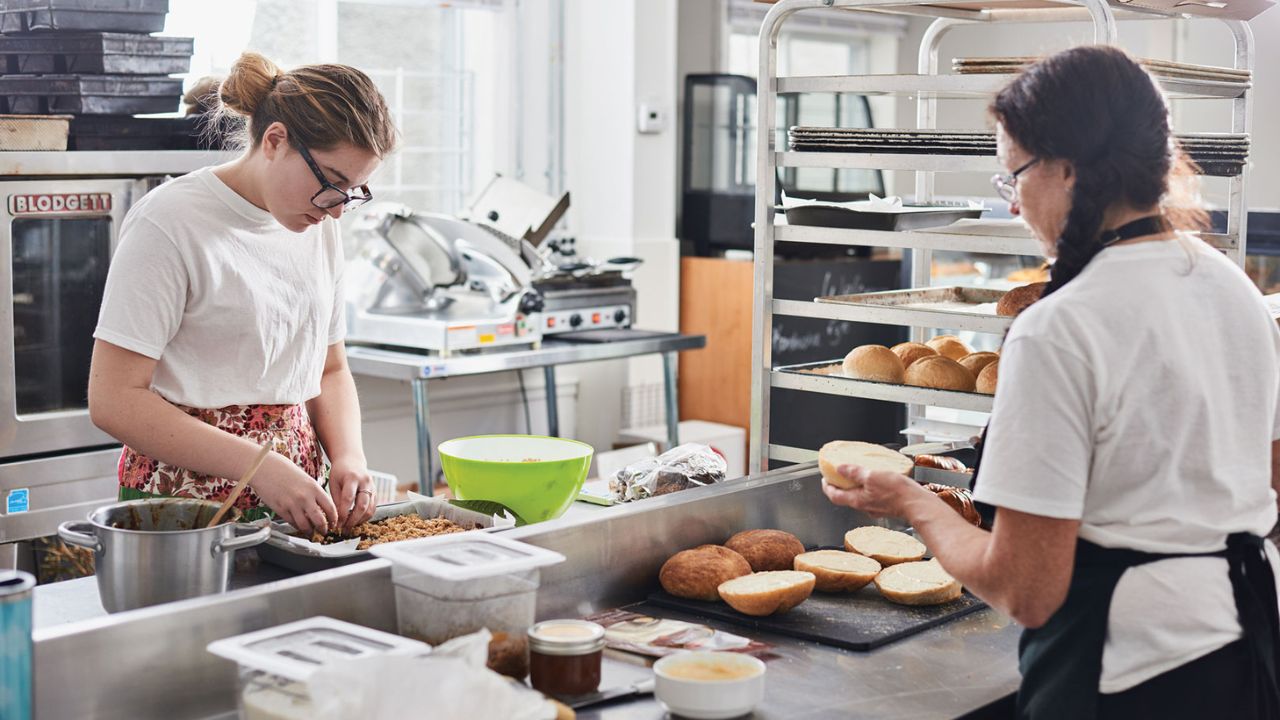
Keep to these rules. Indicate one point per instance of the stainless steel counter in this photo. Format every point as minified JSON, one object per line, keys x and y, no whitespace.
{"x":398,"y":365}
{"x":613,"y":556}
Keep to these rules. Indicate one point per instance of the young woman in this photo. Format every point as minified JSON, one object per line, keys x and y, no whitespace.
{"x":222,"y":322}
{"x":1129,"y":454}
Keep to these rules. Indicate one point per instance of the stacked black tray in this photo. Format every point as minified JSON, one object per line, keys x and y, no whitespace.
{"x":1218,"y":154}
{"x":133,"y":16}
{"x":95,"y":60}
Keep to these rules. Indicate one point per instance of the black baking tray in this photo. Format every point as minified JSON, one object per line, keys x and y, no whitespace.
{"x":88,"y":94}
{"x":838,"y":217}
{"x":858,"y":621}
{"x":95,"y":53}
{"x":111,"y":132}
{"x":135,"y":16}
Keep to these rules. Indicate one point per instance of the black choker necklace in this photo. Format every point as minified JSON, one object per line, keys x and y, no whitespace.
{"x":1149,"y":225}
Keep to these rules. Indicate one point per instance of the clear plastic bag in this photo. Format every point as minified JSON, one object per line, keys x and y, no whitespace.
{"x":680,"y":468}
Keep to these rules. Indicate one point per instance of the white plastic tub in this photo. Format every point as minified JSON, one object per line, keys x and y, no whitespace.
{"x":452,"y":585}
{"x":275,"y":663}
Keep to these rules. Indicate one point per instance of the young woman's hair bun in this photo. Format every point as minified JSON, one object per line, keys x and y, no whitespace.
{"x":323,"y":106}
{"x":250,"y":81}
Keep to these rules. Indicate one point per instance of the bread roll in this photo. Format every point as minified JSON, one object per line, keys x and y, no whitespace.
{"x":918,"y":583}
{"x":851,"y":452}
{"x":766,"y":593}
{"x":974,"y":362}
{"x":873,"y":362}
{"x":949,"y":346}
{"x":766,"y":550}
{"x":940,"y":373}
{"x":1019,"y":299}
{"x":986,"y":382}
{"x":697,"y":572}
{"x":910,"y":352}
{"x":958,"y":499}
{"x":885,"y":546}
{"x":837,"y":571}
{"x":941,"y":462}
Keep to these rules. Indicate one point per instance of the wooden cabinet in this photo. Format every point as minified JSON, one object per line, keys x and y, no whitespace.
{"x":715,"y":300}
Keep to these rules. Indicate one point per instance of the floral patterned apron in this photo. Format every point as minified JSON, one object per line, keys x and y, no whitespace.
{"x":288,"y":427}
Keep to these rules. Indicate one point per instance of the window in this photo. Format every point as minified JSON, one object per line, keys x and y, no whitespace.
{"x":820,"y":43}
{"x":441,"y":66}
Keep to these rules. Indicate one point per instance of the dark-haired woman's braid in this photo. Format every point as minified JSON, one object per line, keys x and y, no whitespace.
{"x":1081,"y":236}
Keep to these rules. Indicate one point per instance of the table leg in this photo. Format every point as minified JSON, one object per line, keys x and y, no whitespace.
{"x":669,"y":364}
{"x":553,"y":413}
{"x":426,"y":479}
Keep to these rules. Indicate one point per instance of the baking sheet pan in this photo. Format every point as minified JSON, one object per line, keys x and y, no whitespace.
{"x":285,"y":550}
{"x":956,"y":299}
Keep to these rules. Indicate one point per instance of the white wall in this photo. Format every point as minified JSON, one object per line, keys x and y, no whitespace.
{"x":619,"y":54}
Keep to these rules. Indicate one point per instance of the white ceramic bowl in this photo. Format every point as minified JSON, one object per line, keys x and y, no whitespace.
{"x":709,"y":685}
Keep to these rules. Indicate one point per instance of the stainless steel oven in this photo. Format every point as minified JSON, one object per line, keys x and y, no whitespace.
{"x":59,"y":225}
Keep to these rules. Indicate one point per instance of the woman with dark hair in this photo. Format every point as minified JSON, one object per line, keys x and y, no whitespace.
{"x":1131,"y":455}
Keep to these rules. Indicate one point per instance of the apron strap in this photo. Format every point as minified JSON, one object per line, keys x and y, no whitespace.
{"x":1254,"y":585}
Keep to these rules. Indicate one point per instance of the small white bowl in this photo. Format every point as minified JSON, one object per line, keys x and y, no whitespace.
{"x":709,"y":685}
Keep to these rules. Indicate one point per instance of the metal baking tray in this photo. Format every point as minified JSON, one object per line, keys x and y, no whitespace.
{"x":111,"y":132}
{"x":928,"y":216}
{"x":95,"y":53}
{"x":88,"y":94}
{"x":954,"y":308}
{"x":827,"y":377}
{"x":284,"y":551}
{"x":135,"y":16}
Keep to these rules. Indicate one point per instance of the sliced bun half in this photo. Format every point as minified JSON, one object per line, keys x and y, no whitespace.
{"x":918,"y":583}
{"x":838,"y":571}
{"x":767,"y":593}
{"x":885,"y":546}
{"x":851,"y":452}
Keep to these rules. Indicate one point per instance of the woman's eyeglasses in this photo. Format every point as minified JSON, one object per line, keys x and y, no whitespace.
{"x":1006,"y":184}
{"x":330,"y":195}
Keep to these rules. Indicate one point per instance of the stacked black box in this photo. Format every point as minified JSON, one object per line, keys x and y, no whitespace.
{"x":95,"y":60}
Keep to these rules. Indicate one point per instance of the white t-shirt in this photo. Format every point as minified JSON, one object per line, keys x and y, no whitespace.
{"x":237,"y":309}
{"x":1141,"y":399}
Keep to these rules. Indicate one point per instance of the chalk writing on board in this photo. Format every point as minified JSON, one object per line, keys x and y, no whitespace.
{"x":833,"y":334}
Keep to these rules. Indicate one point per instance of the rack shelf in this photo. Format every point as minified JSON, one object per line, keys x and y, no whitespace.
{"x":977,"y":86}
{"x":793,"y":379}
{"x":888,"y":315}
{"x":991,"y":237}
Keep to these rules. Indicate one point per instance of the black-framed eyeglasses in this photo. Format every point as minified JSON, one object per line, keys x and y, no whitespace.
{"x":1006,"y":184}
{"x":331,"y":196}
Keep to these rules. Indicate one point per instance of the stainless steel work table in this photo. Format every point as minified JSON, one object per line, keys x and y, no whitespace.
{"x":153,"y":663}
{"x":418,"y":368}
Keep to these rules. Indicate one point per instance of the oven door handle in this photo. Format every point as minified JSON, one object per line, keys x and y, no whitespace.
{"x":73,"y":532}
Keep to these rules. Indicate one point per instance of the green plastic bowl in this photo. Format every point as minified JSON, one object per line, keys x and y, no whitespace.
{"x":537,"y":477}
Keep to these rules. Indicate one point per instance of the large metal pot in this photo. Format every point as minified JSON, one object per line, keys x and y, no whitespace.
{"x":154,"y":551}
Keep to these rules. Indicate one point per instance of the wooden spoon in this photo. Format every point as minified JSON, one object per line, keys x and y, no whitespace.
{"x":240,"y":485}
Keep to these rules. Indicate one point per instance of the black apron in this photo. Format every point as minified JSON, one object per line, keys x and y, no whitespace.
{"x":1061,"y":661}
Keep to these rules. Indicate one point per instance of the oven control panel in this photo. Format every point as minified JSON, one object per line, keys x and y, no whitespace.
{"x":589,"y":318}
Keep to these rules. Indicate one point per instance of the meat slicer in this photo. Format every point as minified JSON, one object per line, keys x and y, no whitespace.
{"x":476,"y":283}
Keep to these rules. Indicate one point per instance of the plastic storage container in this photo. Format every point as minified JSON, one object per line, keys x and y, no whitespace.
{"x":275,"y":663}
{"x":452,"y":585}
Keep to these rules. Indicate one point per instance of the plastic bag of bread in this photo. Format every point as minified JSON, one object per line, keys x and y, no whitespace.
{"x":680,"y":468}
